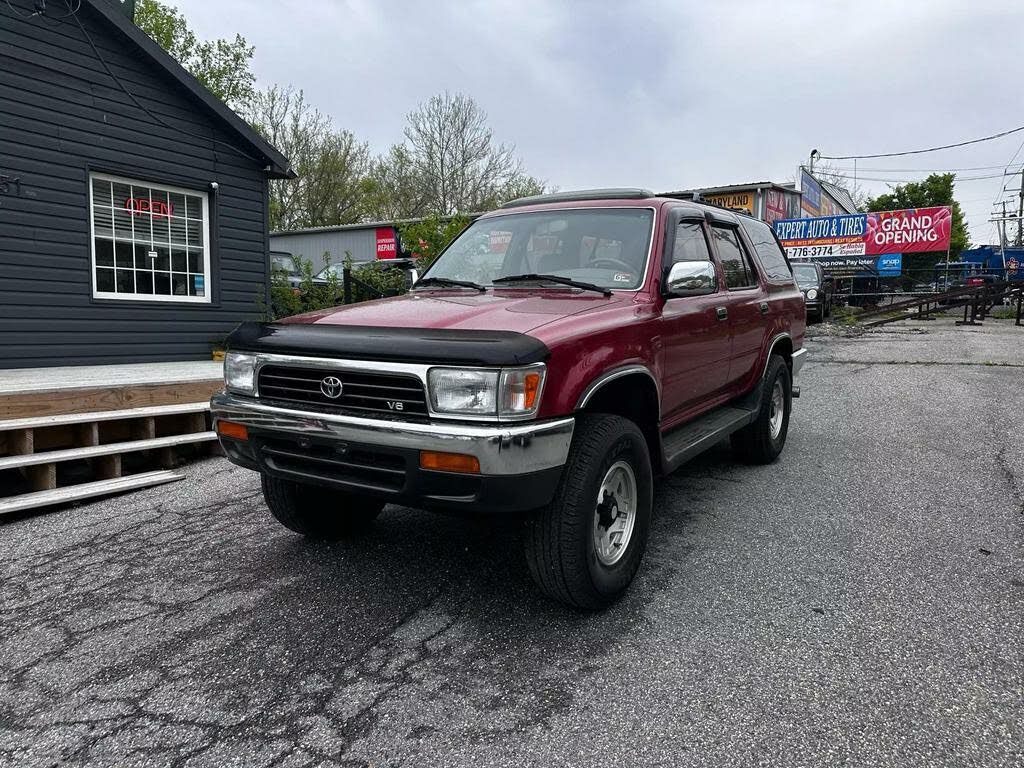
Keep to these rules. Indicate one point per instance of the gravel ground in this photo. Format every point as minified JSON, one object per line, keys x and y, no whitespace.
{"x":860,"y":602}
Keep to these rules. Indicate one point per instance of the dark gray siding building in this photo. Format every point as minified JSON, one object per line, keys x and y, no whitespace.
{"x":133,"y":203}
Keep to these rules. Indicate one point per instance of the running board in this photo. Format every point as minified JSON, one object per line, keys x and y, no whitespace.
{"x":689,"y":440}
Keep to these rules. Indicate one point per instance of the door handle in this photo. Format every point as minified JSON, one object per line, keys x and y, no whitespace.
{"x":763,"y":307}
{"x":722,"y":313}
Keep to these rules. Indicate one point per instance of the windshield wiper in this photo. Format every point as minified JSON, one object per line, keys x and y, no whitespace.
{"x":447,"y":281}
{"x":553,"y":279}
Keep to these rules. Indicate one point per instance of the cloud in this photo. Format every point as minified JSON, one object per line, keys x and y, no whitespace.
{"x":660,"y":94}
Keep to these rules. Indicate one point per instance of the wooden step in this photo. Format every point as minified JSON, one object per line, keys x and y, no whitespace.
{"x":58,"y":420}
{"x":110,"y":449}
{"x":86,"y":490}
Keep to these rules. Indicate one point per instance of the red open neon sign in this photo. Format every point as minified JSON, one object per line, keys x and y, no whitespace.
{"x":158,"y":208}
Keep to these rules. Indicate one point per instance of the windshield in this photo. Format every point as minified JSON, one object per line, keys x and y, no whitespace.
{"x":805,"y":274}
{"x":287,"y":263}
{"x":604,"y":246}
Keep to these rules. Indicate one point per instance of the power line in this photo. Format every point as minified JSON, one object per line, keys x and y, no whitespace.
{"x":890,"y":180}
{"x":923,"y":151}
{"x":919,"y":170}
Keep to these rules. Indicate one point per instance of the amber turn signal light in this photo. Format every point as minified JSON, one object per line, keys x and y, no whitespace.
{"x":449,"y":462}
{"x":232,"y":429}
{"x":531,"y":386}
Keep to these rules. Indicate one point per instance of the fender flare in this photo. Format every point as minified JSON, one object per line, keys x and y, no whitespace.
{"x":771,"y":347}
{"x":617,"y":373}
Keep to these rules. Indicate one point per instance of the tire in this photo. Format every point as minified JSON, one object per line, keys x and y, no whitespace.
{"x":562,"y":552}
{"x":762,"y":441}
{"x":318,"y":512}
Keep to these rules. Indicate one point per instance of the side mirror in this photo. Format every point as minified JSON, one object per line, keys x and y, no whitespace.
{"x":691,"y":278}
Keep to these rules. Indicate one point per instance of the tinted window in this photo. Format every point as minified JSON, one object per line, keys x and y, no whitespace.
{"x":690,"y":243}
{"x":773,"y":260}
{"x":738,"y":273}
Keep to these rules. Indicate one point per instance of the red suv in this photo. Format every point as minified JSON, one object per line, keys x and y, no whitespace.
{"x":560,"y":354}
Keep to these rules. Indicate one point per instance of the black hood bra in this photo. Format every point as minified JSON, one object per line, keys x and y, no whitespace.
{"x":439,"y":346}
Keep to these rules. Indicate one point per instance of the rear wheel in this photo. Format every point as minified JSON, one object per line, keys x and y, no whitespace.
{"x":318,"y":512}
{"x":585,"y":547}
{"x":763,"y":440}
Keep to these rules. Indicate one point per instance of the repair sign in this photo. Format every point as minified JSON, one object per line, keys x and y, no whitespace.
{"x":914,"y":230}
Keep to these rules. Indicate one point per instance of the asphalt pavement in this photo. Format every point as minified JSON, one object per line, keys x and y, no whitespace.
{"x":858,"y":603}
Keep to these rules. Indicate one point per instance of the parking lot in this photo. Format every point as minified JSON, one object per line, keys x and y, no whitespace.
{"x":860,"y":602}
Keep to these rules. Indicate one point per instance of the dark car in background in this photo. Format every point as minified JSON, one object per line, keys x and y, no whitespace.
{"x":284,"y":266}
{"x":817,"y":288}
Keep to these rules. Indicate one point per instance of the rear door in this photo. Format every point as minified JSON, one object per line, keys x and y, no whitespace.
{"x":745,"y":299}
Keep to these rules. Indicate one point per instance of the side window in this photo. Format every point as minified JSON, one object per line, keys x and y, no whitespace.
{"x":735,"y":262}
{"x":773,"y":260}
{"x":691,"y":245}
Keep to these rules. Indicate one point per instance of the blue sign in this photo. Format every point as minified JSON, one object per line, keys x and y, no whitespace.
{"x":810,"y":192}
{"x":199,"y":282}
{"x":889,"y":265}
{"x":823,"y":230}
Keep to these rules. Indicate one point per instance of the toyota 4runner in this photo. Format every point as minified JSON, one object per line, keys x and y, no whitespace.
{"x":561,"y":353}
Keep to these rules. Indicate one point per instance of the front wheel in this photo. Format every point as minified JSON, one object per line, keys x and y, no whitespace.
{"x":763,"y":440}
{"x":585,"y":547}
{"x":318,"y":512}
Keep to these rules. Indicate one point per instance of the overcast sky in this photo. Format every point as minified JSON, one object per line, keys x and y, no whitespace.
{"x":666,"y":95}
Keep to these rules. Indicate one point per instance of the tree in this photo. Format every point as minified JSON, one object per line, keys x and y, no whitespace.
{"x":333,"y":184}
{"x":450,"y":163}
{"x":935,"y":190}
{"x":426,"y":239}
{"x":221,"y":65}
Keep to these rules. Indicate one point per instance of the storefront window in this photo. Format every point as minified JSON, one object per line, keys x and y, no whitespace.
{"x":149,"y":242}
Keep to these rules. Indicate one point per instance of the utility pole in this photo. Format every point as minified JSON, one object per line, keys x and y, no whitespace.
{"x":815,"y":154}
{"x":1020,"y":209}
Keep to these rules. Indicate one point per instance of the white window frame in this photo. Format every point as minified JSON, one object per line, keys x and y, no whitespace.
{"x":204,"y":197}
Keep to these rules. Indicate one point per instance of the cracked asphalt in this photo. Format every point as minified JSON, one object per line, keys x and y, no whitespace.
{"x":860,"y":603}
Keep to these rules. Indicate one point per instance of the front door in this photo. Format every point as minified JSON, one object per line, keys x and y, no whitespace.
{"x":695,"y":337}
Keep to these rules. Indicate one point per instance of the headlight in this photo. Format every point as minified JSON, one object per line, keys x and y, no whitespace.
{"x":239,"y":370}
{"x":464,"y":391}
{"x":812,"y":294}
{"x":509,"y":393}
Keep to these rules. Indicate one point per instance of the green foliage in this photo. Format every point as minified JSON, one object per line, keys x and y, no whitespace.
{"x":287,"y":299}
{"x":937,"y":189}
{"x":427,"y":238}
{"x":370,"y":282}
{"x":221,"y":65}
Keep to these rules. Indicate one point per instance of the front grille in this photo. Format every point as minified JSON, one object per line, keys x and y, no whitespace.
{"x":363,"y":467}
{"x":390,"y":395}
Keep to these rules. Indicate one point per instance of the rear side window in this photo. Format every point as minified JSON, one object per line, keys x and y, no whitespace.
{"x":773,"y":260}
{"x":735,"y":263}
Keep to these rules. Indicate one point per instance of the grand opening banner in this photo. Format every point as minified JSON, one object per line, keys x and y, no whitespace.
{"x":914,"y":230}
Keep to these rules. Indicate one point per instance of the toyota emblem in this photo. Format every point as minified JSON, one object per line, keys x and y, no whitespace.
{"x":331,"y":386}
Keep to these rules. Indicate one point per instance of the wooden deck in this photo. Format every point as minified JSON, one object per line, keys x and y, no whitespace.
{"x":81,"y":431}
{"x":34,"y":392}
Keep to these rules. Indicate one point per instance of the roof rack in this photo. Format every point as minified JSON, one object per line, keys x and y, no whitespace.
{"x":612,"y":193}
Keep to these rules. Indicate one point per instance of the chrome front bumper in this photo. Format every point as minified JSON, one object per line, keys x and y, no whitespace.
{"x":509,"y":449}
